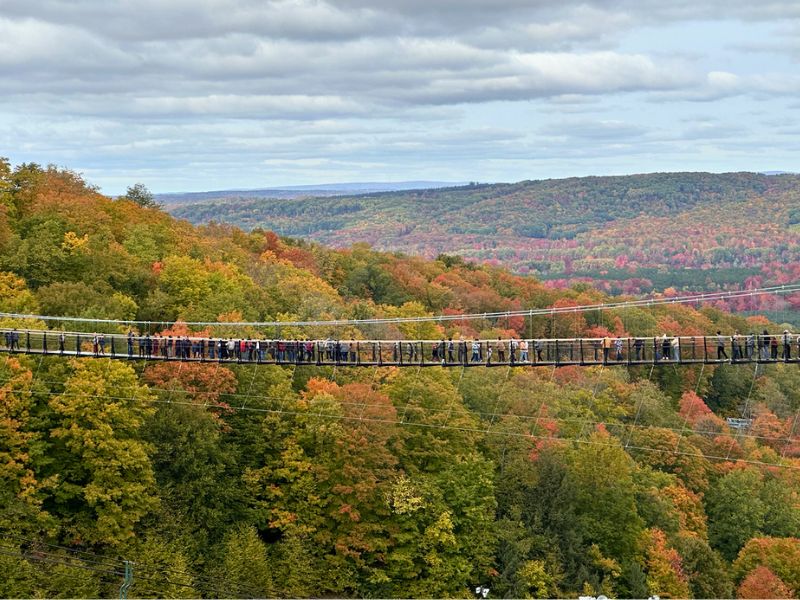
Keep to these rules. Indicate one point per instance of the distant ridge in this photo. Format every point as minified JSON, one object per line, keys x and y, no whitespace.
{"x":627,"y":234}
{"x":301,"y":191}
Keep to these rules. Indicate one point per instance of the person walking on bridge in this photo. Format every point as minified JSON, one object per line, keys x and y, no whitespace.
{"x":500,"y":346}
{"x":721,"y":354}
{"x":763,"y":345}
{"x":607,"y":345}
{"x":737,"y":346}
{"x":638,"y":347}
{"x":665,"y":347}
{"x":538,"y":346}
{"x":787,"y":345}
{"x":476,"y":351}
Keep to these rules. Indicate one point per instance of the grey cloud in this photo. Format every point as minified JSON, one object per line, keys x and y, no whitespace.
{"x":342,"y":83}
{"x":148,"y":20}
{"x":247,"y":52}
{"x":348,"y":19}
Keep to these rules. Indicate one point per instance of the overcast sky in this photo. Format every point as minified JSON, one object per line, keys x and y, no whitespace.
{"x":211,"y":94}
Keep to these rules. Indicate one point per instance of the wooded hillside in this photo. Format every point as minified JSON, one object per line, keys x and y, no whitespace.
{"x":258,"y":481}
{"x":628,"y":234}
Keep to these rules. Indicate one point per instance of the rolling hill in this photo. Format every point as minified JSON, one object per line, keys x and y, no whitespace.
{"x":625,"y":234}
{"x":172,"y":200}
{"x":228,"y":480}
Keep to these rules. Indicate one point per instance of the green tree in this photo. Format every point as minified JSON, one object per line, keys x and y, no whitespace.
{"x":56,"y":574}
{"x":195,"y":470}
{"x":105,"y":476}
{"x":730,"y":386}
{"x":80,"y":299}
{"x":735,"y":510}
{"x":709,"y":575}
{"x":139,"y":194}
{"x":602,"y":475}
{"x":243,"y":570}
{"x":161,"y":569}
{"x":782,"y":504}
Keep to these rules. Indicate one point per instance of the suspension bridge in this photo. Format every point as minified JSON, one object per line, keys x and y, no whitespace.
{"x":608,"y":351}
{"x":139,"y":345}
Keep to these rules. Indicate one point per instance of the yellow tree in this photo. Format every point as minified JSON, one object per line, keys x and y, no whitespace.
{"x":105,"y":476}
{"x":665,"y":576}
{"x":18,"y":483}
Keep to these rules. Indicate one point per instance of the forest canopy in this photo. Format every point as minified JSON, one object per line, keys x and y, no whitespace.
{"x":258,"y":481}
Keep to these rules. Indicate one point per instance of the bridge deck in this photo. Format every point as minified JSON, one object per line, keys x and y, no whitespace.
{"x":410,"y":353}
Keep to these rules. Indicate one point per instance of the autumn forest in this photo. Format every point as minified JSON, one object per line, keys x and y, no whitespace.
{"x":631,"y":234}
{"x":231,"y":480}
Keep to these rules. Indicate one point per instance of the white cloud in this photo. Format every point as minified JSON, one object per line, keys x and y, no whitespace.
{"x":414,"y":85}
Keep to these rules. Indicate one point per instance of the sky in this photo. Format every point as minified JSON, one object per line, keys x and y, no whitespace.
{"x":192,"y":95}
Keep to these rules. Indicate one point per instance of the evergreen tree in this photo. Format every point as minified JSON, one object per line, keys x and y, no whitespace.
{"x":139,"y":194}
{"x":243,"y":570}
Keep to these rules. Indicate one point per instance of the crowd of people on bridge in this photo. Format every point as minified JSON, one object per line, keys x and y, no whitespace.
{"x":748,"y":347}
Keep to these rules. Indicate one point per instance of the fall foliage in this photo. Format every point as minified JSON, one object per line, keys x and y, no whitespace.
{"x":234,"y":480}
